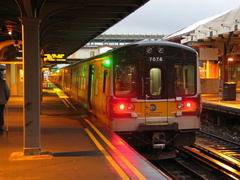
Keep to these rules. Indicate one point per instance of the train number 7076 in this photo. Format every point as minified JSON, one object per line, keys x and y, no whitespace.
{"x":155,"y":59}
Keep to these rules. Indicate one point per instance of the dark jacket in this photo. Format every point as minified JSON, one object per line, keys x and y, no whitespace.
{"x":4,"y":92}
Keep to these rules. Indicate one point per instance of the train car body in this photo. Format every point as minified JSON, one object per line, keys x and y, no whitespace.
{"x":148,"y":91}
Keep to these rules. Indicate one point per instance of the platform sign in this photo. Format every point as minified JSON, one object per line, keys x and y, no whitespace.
{"x":45,"y":69}
{"x":54,"y":58}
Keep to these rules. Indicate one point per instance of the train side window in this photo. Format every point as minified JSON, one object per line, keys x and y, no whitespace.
{"x":81,"y":83}
{"x":96,"y":86}
{"x":185,"y":80}
{"x":104,"y":80}
{"x":84,"y":83}
{"x":155,"y":81}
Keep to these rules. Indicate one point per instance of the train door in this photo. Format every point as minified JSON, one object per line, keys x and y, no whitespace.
{"x":156,"y":106}
{"x":90,"y":88}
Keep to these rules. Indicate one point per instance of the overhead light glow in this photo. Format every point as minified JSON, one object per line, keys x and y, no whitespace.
{"x":62,"y":65}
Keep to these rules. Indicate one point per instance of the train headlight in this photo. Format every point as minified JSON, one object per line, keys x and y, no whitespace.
{"x":180,"y":105}
{"x":130,"y":107}
{"x":149,"y":50}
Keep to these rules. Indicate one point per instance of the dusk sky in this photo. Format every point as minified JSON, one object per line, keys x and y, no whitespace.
{"x":168,"y":16}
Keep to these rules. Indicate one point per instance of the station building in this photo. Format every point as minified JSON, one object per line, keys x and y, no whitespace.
{"x":86,"y":52}
{"x":217,"y":41}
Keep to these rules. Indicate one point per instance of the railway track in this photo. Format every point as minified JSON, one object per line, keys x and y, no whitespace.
{"x":211,"y":158}
{"x":222,"y":145}
{"x":227,"y":168}
{"x":178,"y":168}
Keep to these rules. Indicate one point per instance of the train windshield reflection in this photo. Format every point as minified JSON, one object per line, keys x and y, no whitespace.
{"x":125,"y":80}
{"x":185,"y":80}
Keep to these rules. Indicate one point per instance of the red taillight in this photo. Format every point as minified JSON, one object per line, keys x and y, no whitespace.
{"x":122,"y":109}
{"x":121,"y":106}
{"x":188,"y":104}
{"x":125,"y":107}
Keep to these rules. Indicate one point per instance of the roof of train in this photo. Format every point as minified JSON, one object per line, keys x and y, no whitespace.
{"x":139,"y":43}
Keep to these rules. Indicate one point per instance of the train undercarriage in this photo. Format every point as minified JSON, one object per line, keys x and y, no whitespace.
{"x":155,"y":145}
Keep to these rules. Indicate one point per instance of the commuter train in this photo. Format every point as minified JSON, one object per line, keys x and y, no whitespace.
{"x":148,"y":91}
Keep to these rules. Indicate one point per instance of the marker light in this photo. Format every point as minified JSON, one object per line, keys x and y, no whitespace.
{"x":106,"y":62}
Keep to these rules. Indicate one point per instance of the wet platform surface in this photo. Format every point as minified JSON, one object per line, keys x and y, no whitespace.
{"x":74,"y":145}
{"x":215,"y":102}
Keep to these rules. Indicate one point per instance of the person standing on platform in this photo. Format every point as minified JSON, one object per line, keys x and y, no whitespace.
{"x":4,"y":96}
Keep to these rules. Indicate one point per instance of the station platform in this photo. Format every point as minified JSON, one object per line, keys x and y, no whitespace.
{"x":74,"y":146}
{"x":215,"y":102}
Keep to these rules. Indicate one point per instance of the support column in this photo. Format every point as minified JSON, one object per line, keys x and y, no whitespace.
{"x":31,"y":87}
{"x":225,"y":59}
{"x":225,"y":69}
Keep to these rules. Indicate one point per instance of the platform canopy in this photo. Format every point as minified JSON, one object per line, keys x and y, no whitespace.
{"x":213,"y":28}
{"x":66,"y":25}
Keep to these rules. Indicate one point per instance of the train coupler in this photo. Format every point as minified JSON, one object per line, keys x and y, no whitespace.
{"x":158,"y":140}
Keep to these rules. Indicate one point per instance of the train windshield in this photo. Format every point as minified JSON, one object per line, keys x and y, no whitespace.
{"x":125,"y":80}
{"x":185,"y":77}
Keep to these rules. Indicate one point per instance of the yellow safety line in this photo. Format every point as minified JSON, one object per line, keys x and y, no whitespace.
{"x":66,"y":104}
{"x":71,"y":104}
{"x":134,"y":170}
{"x":107,"y":156}
{"x":64,"y":97}
{"x":60,"y":93}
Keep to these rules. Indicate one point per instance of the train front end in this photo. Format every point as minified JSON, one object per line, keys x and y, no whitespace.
{"x":156,"y":94}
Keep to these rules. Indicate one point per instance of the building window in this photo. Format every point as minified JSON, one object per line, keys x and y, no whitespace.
{"x":92,"y":53}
